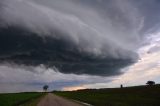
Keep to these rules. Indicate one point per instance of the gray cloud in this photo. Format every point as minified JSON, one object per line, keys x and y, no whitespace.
{"x":154,"y":49}
{"x":97,"y":37}
{"x":27,"y":48}
{"x":90,"y":30}
{"x":16,"y":78}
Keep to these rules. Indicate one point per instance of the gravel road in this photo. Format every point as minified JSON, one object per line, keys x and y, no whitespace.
{"x":53,"y":100}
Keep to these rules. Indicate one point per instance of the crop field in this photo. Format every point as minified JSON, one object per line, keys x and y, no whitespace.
{"x":131,"y":96}
{"x":15,"y":99}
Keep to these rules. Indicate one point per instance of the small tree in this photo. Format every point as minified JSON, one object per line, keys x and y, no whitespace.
{"x":121,"y":86}
{"x":150,"y":83}
{"x":45,"y":87}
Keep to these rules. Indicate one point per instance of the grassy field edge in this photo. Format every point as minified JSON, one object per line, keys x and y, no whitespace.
{"x":129,"y":96}
{"x":33,"y":101}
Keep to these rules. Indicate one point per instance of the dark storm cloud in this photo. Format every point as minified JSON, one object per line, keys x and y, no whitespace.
{"x":22,"y":47}
{"x":97,"y":37}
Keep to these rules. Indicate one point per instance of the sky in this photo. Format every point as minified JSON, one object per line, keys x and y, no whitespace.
{"x":78,"y":44}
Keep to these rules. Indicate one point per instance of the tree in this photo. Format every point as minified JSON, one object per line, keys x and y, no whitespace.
{"x":150,"y":83}
{"x":45,"y":87}
{"x":121,"y":86}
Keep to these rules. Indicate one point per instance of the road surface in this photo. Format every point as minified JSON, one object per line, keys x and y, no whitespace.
{"x":53,"y":100}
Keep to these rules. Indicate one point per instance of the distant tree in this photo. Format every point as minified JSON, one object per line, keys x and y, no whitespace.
{"x":150,"y":83}
{"x":121,"y":86}
{"x":45,"y":87}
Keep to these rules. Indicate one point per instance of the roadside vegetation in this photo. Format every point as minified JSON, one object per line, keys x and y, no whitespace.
{"x":17,"y":99}
{"x":129,"y":96}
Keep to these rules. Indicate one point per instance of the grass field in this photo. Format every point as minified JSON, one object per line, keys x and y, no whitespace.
{"x":131,"y":96}
{"x":15,"y":99}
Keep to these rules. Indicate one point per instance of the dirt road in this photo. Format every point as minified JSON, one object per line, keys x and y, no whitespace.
{"x":53,"y":100}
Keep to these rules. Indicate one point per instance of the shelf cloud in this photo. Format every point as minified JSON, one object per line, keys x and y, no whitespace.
{"x":97,"y":37}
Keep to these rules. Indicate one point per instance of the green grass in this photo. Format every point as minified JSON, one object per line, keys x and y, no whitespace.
{"x":131,"y":96}
{"x":15,"y":99}
{"x":33,"y":101}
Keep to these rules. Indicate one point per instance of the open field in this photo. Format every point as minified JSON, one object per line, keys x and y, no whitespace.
{"x":131,"y":96}
{"x":15,"y":99}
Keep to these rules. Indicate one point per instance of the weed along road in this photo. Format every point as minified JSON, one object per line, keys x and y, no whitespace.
{"x":53,"y":100}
